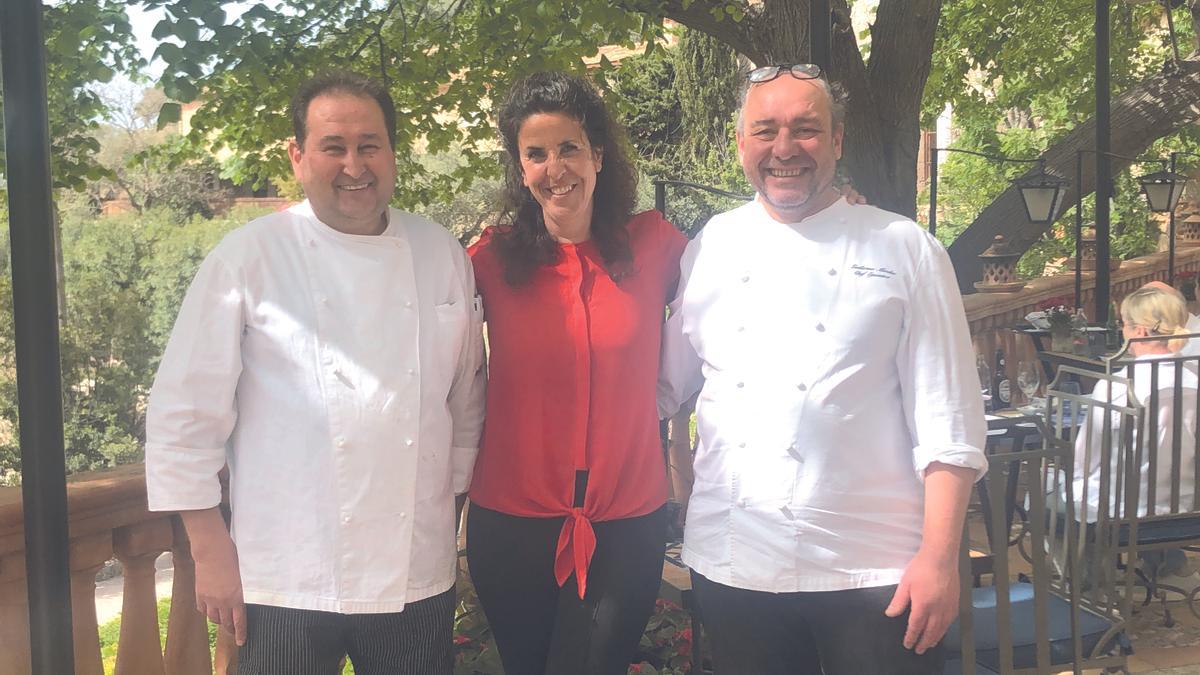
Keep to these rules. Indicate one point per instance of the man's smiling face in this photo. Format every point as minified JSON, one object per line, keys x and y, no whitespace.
{"x":346,"y":163}
{"x":789,"y":146}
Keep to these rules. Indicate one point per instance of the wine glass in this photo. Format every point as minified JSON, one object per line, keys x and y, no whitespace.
{"x":1029,"y":378}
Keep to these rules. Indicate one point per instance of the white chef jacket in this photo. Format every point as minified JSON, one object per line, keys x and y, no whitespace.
{"x":341,"y":378}
{"x":1088,"y":443}
{"x":836,"y":366}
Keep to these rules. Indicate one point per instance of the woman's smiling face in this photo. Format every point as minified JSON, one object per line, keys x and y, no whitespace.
{"x":559,"y":166}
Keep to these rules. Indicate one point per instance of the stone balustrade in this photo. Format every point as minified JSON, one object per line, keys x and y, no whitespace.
{"x":986,"y":311}
{"x":108,"y":517}
{"x":991,"y":316}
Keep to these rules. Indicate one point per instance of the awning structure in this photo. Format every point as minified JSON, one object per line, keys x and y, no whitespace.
{"x":35,"y":323}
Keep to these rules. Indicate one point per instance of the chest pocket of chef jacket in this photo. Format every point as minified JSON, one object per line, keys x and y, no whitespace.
{"x":864,"y":328}
{"x":448,"y":334}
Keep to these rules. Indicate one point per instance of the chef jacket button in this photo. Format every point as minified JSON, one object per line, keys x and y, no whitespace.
{"x":802,"y":387}
{"x":403,"y":515}
{"x":832,"y":272}
{"x":408,"y":303}
{"x":741,"y":385}
{"x":741,"y":445}
{"x":341,"y":442}
{"x":820,"y":328}
{"x":412,"y":371}
{"x":746,"y":278}
{"x":741,"y":329}
{"x":408,"y":442}
{"x":743,"y":502}
{"x":346,"y":519}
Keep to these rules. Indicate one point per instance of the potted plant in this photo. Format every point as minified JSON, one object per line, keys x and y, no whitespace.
{"x":1059,"y":315}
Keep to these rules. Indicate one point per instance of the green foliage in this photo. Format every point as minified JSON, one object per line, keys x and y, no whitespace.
{"x":125,"y":277}
{"x":679,"y":107}
{"x":1035,"y":60}
{"x":87,"y":41}
{"x":1020,"y":76}
{"x":666,"y":646}
{"x":175,"y":175}
{"x":648,"y":106}
{"x":967,"y":184}
{"x":467,"y":212}
{"x":110,"y":635}
{"x":442,"y":61}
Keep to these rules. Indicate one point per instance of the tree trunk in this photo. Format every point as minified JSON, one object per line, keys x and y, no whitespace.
{"x":883,"y":115}
{"x":1157,"y":107}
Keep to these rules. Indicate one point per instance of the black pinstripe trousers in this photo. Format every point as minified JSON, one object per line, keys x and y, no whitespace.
{"x":286,"y":641}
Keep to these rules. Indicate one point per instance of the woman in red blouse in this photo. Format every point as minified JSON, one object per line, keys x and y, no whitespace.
{"x":567,"y":523}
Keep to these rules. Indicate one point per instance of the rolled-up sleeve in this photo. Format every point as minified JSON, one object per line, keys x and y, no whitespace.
{"x":192,"y":407}
{"x":468,"y":392}
{"x":936,"y":366}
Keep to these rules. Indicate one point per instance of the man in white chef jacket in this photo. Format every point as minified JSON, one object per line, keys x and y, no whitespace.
{"x":330,"y":355}
{"x":839,"y":418}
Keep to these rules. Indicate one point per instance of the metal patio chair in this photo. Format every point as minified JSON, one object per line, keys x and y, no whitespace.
{"x":1067,"y":605}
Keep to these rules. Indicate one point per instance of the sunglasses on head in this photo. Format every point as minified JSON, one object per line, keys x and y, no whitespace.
{"x":800,"y":71}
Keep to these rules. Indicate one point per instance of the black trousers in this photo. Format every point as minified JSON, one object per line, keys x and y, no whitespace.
{"x":831,"y":632}
{"x":543,"y":629}
{"x":285,"y":641}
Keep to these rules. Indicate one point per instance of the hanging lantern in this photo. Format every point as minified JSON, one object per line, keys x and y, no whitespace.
{"x":1043,"y":195}
{"x":1163,"y":190}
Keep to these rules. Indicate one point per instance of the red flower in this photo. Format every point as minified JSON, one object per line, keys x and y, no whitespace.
{"x":461,"y":640}
{"x":1058,"y":301}
{"x":635,"y":668}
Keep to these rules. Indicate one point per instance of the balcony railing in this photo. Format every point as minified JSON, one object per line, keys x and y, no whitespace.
{"x":108,"y":518}
{"x":991,"y":316}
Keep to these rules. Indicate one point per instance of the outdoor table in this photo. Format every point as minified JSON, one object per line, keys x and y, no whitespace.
{"x":1094,"y":360}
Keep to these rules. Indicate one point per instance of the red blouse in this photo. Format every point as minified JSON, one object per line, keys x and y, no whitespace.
{"x":572,"y":373}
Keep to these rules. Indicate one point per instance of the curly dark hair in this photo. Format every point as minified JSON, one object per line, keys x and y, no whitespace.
{"x":522,"y":243}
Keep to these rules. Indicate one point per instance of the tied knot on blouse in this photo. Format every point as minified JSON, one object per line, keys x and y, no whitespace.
{"x":576,"y":545}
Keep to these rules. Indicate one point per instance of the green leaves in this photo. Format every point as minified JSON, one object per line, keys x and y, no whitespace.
{"x":444,"y":63}
{"x":169,"y":113}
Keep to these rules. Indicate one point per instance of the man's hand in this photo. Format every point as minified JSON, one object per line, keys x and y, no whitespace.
{"x":218,"y":579}
{"x":851,"y":195}
{"x":930,"y":588}
{"x":930,"y":582}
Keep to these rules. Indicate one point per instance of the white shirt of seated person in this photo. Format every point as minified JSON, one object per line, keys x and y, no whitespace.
{"x":1088,"y":460}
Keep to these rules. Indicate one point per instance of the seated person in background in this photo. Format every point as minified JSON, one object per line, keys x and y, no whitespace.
{"x":1192,"y":347}
{"x":1151,"y":310}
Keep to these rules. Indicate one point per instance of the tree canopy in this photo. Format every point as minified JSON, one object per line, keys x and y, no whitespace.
{"x":87,"y":42}
{"x":443,"y":58}
{"x":1021,"y":79}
